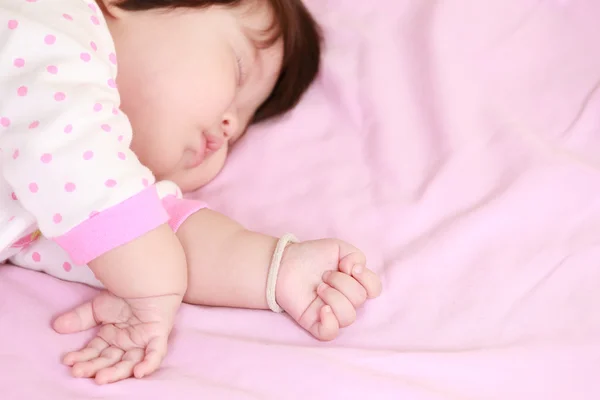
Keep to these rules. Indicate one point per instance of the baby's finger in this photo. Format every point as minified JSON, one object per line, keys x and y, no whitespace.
{"x":348,"y":261}
{"x":121,"y":370}
{"x":341,"y":306}
{"x":155,"y":353}
{"x":368,"y":279}
{"x":327,"y":327}
{"x":76,"y":320}
{"x":347,"y":285}
{"x":311,"y":315}
{"x":88,"y":369}
{"x":91,"y":351}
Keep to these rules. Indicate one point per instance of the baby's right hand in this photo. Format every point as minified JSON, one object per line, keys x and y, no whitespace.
{"x":146,"y":280}
{"x":132,"y":340}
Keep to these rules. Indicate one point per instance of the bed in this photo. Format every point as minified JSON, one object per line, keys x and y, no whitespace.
{"x":457,"y":143}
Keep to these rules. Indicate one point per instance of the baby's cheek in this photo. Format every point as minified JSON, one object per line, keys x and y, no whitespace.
{"x":160,"y":158}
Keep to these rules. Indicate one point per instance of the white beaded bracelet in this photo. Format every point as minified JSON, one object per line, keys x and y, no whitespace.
{"x":274,"y":270}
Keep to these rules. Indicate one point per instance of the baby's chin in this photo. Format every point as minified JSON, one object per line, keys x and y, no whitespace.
{"x":190,"y":180}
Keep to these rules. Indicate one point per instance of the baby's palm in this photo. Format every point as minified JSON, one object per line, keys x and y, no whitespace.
{"x":132,"y":340}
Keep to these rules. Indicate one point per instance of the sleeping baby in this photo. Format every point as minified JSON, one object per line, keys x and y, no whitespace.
{"x":93,"y":165}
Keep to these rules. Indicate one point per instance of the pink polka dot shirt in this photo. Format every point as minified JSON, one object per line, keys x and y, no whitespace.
{"x":65,"y":162}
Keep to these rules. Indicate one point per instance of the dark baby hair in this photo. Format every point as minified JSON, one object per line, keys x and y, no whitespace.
{"x":301,"y":46}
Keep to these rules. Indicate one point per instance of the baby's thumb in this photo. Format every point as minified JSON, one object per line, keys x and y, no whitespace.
{"x":76,"y":320}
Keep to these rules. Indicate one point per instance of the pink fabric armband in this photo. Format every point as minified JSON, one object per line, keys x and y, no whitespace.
{"x":180,"y":209}
{"x":114,"y":227}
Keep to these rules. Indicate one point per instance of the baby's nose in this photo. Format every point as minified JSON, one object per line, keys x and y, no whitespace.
{"x":229,"y":126}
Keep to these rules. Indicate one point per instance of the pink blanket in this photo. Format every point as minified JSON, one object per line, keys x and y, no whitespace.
{"x":458,"y":144}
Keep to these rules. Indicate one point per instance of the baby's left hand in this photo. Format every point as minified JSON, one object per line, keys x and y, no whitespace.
{"x":321,"y":283}
{"x":132,"y":340}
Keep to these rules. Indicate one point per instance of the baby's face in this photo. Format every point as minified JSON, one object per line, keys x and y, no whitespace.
{"x":190,"y":81}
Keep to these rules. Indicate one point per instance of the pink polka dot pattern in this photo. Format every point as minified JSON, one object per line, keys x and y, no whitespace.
{"x":145,"y":182}
{"x":68,"y":157}
{"x":50,"y":39}
{"x":67,"y":266}
{"x":36,"y":257}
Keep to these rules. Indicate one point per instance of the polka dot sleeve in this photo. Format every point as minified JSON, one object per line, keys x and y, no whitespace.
{"x":65,"y":145}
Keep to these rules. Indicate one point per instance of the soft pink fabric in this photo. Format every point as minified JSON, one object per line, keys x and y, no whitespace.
{"x":114,"y":227}
{"x":180,"y":209}
{"x":457,"y":142}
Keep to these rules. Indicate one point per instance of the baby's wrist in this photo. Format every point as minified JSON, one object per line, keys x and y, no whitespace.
{"x":280,"y":255}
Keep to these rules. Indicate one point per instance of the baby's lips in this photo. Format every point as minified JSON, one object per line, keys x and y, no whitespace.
{"x":210,"y":145}
{"x":213,"y":143}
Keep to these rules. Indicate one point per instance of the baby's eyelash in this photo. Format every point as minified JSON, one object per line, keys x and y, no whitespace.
{"x":240,"y":71}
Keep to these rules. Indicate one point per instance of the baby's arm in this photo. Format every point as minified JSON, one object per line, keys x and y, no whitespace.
{"x":228,"y":265}
{"x":320,"y":283}
{"x":151,"y":265}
